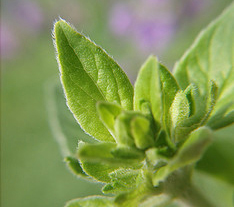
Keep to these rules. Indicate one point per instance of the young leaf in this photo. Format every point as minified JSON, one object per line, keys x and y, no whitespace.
{"x":89,"y":75}
{"x":142,"y":133}
{"x":133,"y":198}
{"x":97,"y":201}
{"x":211,"y":58}
{"x":223,"y":117}
{"x":74,"y":165}
{"x":123,"y":180}
{"x":189,"y":153}
{"x":179,"y":111}
{"x":169,"y":88}
{"x":108,"y":113}
{"x":147,"y":87}
{"x":91,"y":158}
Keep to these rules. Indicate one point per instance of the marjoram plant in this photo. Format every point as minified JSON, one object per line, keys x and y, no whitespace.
{"x":147,"y":140}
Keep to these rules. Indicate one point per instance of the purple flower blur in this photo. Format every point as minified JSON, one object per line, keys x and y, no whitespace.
{"x":8,"y":44}
{"x":150,"y":23}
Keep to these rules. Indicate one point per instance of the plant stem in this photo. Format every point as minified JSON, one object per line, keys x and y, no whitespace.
{"x":178,"y":185}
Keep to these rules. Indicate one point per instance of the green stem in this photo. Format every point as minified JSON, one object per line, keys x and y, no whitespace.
{"x":179,"y":186}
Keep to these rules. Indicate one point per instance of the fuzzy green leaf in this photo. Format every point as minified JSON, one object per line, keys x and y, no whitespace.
{"x":203,"y":107}
{"x":169,"y":88}
{"x":189,"y":153}
{"x":108,"y":113}
{"x":123,"y":131}
{"x":89,"y":75}
{"x":74,"y":165}
{"x":91,"y":158}
{"x":123,"y":180}
{"x":91,"y":201}
{"x":179,"y":111}
{"x":211,"y":58}
{"x":142,"y":133}
{"x":147,"y":87}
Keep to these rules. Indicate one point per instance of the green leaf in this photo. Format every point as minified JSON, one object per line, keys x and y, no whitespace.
{"x":169,"y":88}
{"x":128,"y":153}
{"x":91,"y":158}
{"x":202,"y":108}
{"x":179,"y":111}
{"x":155,"y":158}
{"x":108,"y":112}
{"x":89,"y":75}
{"x":74,"y":165}
{"x":105,"y":153}
{"x":147,"y":88}
{"x":189,"y":153}
{"x":123,"y":180}
{"x":122,"y":127}
{"x":91,"y":201}
{"x":211,"y":58}
{"x":218,"y":159}
{"x":141,"y":131}
{"x":222,"y":118}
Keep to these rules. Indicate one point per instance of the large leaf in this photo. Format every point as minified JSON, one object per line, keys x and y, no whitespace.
{"x":89,"y":75}
{"x":211,"y":58}
{"x":218,"y":159}
{"x":91,"y":201}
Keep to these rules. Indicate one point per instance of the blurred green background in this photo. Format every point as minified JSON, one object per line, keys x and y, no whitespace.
{"x":32,"y":169}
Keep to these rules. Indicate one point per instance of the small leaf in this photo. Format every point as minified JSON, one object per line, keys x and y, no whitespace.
{"x":122,"y":126}
{"x":179,"y":111}
{"x":222,"y":118}
{"x":141,"y":131}
{"x":169,"y":89}
{"x":147,"y":87}
{"x":211,"y":58}
{"x":189,"y":153}
{"x":137,"y":196}
{"x":89,"y":75}
{"x":155,"y":158}
{"x":91,"y":201}
{"x":128,"y":153}
{"x":74,"y":165}
{"x":108,"y":153}
{"x":123,"y":180}
{"x":202,"y":109}
{"x":108,"y":113}
{"x":211,"y":100}
{"x":91,"y":158}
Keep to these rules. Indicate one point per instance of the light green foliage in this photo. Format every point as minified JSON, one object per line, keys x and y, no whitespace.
{"x":211,"y":58}
{"x":89,"y":75}
{"x":142,"y":133}
{"x":179,"y":111}
{"x":147,"y":88}
{"x":148,"y":150}
{"x":108,"y":112}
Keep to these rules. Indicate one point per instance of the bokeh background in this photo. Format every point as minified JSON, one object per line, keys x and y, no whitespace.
{"x":32,"y":169}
